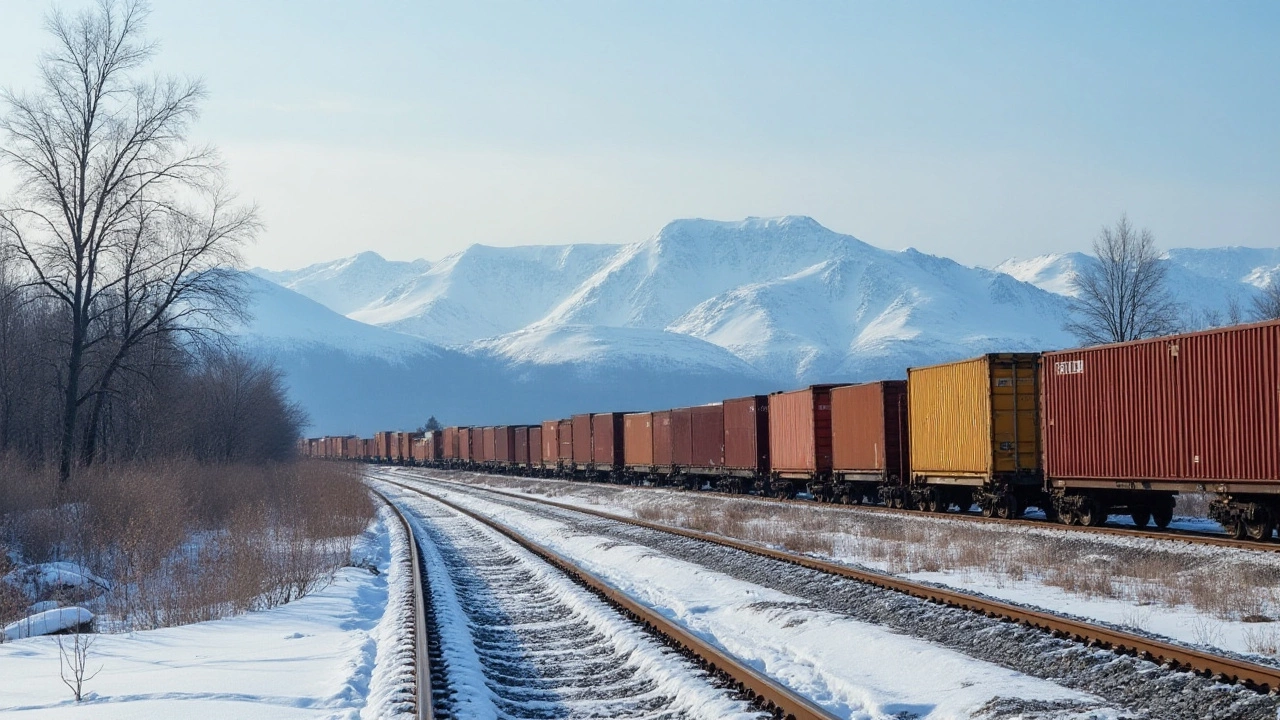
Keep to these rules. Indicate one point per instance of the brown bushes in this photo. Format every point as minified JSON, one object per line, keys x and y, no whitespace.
{"x":182,"y":542}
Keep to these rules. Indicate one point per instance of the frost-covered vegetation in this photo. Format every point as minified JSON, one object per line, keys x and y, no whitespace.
{"x":163,"y":543}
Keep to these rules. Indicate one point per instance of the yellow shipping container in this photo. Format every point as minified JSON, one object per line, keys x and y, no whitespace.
{"x":975,"y":420}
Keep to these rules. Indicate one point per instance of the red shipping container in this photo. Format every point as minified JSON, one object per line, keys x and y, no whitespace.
{"x":869,"y":428}
{"x":488,"y":454}
{"x":466,"y":444}
{"x":550,"y":441}
{"x":1196,"y":408}
{"x":520,"y":447}
{"x":746,"y":434}
{"x":637,"y":431}
{"x":449,"y":448}
{"x":682,"y":437}
{"x":800,"y":431}
{"x":565,"y":434}
{"x":535,"y":445}
{"x":581,"y":439}
{"x":707,"y":436}
{"x":662,"y":438}
{"x":608,"y":440}
{"x":504,"y":444}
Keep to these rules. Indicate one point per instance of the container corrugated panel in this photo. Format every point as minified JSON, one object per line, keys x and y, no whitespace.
{"x":449,"y":451}
{"x":707,"y":431}
{"x":608,"y":439}
{"x":637,"y":430}
{"x":565,"y":434}
{"x":682,"y":437}
{"x":550,"y":441}
{"x":465,"y":444}
{"x":504,"y":444}
{"x":582,"y":438}
{"x":662,"y":438}
{"x":800,"y":430}
{"x":535,"y":444}
{"x":975,"y":417}
{"x":1197,"y":407}
{"x":520,"y":447}
{"x":490,"y":445}
{"x":746,"y":433}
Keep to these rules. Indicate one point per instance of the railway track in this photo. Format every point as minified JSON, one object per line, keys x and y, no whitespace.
{"x":1261,"y":678}
{"x":544,"y":657}
{"x":422,"y":703}
{"x":1189,"y":536}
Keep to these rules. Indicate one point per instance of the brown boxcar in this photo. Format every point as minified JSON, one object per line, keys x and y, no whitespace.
{"x":637,"y":432}
{"x":504,"y":444}
{"x":449,"y":447}
{"x":435,"y":448}
{"x":550,"y":442}
{"x":706,"y":430}
{"x":581,"y":440}
{"x":746,"y":435}
{"x":383,"y":442}
{"x":682,"y":437}
{"x":564,"y":433}
{"x":520,"y":445}
{"x":466,"y":443}
{"x":974,"y":429}
{"x":800,"y":432}
{"x":490,"y":445}
{"x":1127,"y":425}
{"x":608,"y":440}
{"x":535,"y":446}
{"x":869,"y":445}
{"x":662,"y":439}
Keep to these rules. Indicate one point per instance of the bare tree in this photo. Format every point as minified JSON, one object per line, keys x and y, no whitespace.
{"x":1266,"y":306}
{"x":1122,"y":295}
{"x":73,"y":662}
{"x":117,"y":219}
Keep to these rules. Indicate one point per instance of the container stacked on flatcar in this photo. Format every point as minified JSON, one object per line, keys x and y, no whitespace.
{"x":868,"y":444}
{"x":520,"y":447}
{"x":975,"y":434}
{"x":799,"y":440}
{"x":564,"y":443}
{"x":746,"y":443}
{"x":637,"y":431}
{"x":608,"y":445}
{"x":550,"y":447}
{"x":581,"y":442}
{"x":1128,"y":425}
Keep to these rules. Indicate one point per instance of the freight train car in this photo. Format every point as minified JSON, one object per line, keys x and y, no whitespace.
{"x":564,"y":434}
{"x":608,"y":445}
{"x":1126,"y":426}
{"x":746,"y":443}
{"x":637,"y":433}
{"x":799,"y":440}
{"x":550,"y":447}
{"x":974,"y":430}
{"x":868,"y":445}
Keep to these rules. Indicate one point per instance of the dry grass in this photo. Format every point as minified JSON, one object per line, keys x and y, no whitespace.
{"x":1227,"y":586}
{"x":181,"y":542}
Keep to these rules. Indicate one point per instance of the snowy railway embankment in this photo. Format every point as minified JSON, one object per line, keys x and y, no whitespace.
{"x":859,"y":650}
{"x":335,"y":653}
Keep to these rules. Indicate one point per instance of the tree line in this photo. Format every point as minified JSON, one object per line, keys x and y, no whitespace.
{"x":117,"y":249}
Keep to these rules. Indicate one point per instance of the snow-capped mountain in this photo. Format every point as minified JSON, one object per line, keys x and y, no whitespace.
{"x":1207,"y":282}
{"x":700,"y":311}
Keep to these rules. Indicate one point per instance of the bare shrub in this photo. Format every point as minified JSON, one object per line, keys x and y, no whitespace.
{"x":1263,"y":640}
{"x":73,"y":662}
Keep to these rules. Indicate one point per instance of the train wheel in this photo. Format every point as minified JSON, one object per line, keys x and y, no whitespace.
{"x":1008,"y":509}
{"x":1238,"y":530}
{"x":988,"y":510}
{"x":1141,"y":516}
{"x":1092,"y":515}
{"x":1163,"y":515}
{"x":1259,"y":530}
{"x":936,"y":504}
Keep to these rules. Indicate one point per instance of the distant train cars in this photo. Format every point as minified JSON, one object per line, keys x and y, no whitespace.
{"x":1081,"y":434}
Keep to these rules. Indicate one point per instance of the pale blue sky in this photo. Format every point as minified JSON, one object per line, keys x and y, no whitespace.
{"x":973,"y":130}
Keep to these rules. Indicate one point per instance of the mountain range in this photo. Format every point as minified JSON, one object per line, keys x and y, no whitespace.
{"x":699,"y":311}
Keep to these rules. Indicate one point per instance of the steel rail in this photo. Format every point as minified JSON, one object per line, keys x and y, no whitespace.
{"x":423,"y":706}
{"x":767,"y":693}
{"x":1225,"y":669}
{"x":1189,"y":536}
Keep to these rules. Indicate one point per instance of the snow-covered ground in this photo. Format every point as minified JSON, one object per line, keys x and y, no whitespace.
{"x":312,"y":658}
{"x":1246,"y":624}
{"x":854,"y":669}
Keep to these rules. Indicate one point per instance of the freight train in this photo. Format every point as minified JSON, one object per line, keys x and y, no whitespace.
{"x":1081,"y":434}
